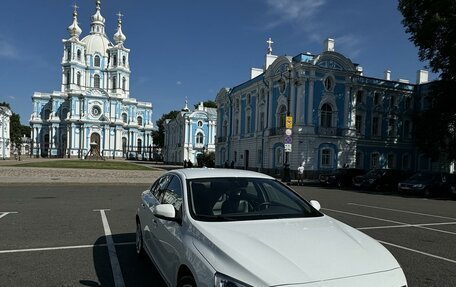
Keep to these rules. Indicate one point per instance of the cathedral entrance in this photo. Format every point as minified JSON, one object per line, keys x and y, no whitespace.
{"x":94,"y":152}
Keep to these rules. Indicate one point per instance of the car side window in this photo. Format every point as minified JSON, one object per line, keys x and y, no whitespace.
{"x":159,"y":186}
{"x":173,"y":193}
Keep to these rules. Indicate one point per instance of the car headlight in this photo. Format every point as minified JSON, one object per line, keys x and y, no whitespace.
{"x":225,"y":281}
{"x":419,"y":185}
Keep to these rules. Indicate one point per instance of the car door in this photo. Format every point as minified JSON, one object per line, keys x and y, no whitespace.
{"x":149,"y":201}
{"x":169,"y":232}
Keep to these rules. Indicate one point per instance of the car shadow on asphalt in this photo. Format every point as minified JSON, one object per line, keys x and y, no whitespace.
{"x":136,"y":271}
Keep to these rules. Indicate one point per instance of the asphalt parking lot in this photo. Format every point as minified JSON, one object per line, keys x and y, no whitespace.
{"x":83,"y":234}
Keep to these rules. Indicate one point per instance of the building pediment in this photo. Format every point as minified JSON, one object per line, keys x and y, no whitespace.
{"x":96,"y":92}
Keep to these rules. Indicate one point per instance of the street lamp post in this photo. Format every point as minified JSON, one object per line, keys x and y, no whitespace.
{"x":286,"y":166}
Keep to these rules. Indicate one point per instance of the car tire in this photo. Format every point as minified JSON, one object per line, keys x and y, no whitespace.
{"x":139,"y":242}
{"x":186,"y":281}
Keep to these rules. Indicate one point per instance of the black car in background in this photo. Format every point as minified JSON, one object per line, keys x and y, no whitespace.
{"x":341,"y":177}
{"x":380,"y":179}
{"x":427,"y":183}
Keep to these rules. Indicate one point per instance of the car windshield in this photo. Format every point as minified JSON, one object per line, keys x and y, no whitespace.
{"x":231,"y":199}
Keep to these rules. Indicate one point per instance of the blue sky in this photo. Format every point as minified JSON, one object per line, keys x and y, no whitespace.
{"x":182,"y":48}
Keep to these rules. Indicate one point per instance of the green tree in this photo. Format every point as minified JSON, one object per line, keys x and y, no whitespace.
{"x":16,"y":129}
{"x":432,"y":28}
{"x":207,"y":104}
{"x":159,"y":135}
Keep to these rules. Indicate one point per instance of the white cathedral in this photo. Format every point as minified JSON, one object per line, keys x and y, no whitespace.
{"x":93,"y":109}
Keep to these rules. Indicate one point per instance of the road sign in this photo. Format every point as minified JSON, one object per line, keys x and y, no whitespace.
{"x":289,"y":122}
{"x":287,"y":147}
{"x":287,"y":140}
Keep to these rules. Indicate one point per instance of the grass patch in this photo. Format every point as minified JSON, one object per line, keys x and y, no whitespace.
{"x":85,"y":164}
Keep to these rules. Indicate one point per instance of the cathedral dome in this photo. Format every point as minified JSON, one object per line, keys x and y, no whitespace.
{"x":96,"y":43}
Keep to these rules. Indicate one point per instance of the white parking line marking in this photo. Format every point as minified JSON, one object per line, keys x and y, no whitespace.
{"x":419,"y":252}
{"x":115,"y":266}
{"x":403,"y":211}
{"x":62,"y":247}
{"x":392,"y":221}
{"x":5,"y":213}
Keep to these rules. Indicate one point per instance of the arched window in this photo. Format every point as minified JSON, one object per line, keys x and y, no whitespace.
{"x":97,"y":61}
{"x":124,"y":81}
{"x":139,"y":141}
{"x":78,"y":53}
{"x":139,"y":120}
{"x":114,"y":60}
{"x":200,"y":123}
{"x":282,"y":116}
{"x":328,"y":84}
{"x":114,"y":82}
{"x":124,"y":61}
{"x":47,"y":113}
{"x":69,"y":54}
{"x":326,"y":116}
{"x":124,"y":117}
{"x":96,"y":81}
{"x":68,"y":77}
{"x":78,"y":78}
{"x":199,"y":138}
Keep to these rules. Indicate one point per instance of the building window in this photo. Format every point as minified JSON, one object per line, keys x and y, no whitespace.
{"x":261,"y":121}
{"x":124,"y":117}
{"x":225,"y":129}
{"x":96,"y":81}
{"x":68,"y":77}
{"x":139,"y":142}
{"x":326,"y":116}
{"x":47,"y":113}
{"x":124,"y":81}
{"x":114,"y":60}
{"x":359,"y":97}
{"x":114,"y":82}
{"x":200,"y":123}
{"x":374,"y":163}
{"x":78,"y":78}
{"x":236,"y":127}
{"x":375,"y":126}
{"x":96,"y":111}
{"x":376,"y":98}
{"x":391,"y":161}
{"x":325,"y":157}
{"x":392,"y":101}
{"x":358,"y":124}
{"x":139,"y":120}
{"x":328,"y":84}
{"x":199,"y":138}
{"x":408,"y":103}
{"x":247,"y":130}
{"x":124,"y":60}
{"x":282,"y":116}
{"x":69,"y":54}
{"x":97,"y":61}
{"x":407,"y":129}
{"x":392,"y":132}
{"x":78,"y":54}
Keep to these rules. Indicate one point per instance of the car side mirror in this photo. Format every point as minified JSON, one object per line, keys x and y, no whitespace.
{"x":315,"y":204}
{"x":165,"y":211}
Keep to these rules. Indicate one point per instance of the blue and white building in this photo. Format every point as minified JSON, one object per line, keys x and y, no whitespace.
{"x":319,"y":110}
{"x":190,"y":134}
{"x":5,"y":141}
{"x":93,"y":106}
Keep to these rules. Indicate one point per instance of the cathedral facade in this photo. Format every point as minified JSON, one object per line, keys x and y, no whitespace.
{"x":93,"y":110}
{"x":319,"y":111}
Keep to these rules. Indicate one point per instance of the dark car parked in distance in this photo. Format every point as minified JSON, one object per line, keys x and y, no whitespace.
{"x":427,"y":183}
{"x":342,"y":177}
{"x":380,"y":179}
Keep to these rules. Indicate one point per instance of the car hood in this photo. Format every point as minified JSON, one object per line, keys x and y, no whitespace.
{"x":417,"y":181}
{"x":268,"y":252}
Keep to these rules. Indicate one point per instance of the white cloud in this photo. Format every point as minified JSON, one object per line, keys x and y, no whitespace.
{"x":178,"y":83}
{"x":288,"y":11}
{"x":12,"y":97}
{"x":350,"y":45}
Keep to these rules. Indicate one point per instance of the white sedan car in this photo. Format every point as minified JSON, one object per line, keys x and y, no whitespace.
{"x":234,"y":228}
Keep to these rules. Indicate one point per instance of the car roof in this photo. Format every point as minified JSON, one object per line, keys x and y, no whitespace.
{"x":192,"y":173}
